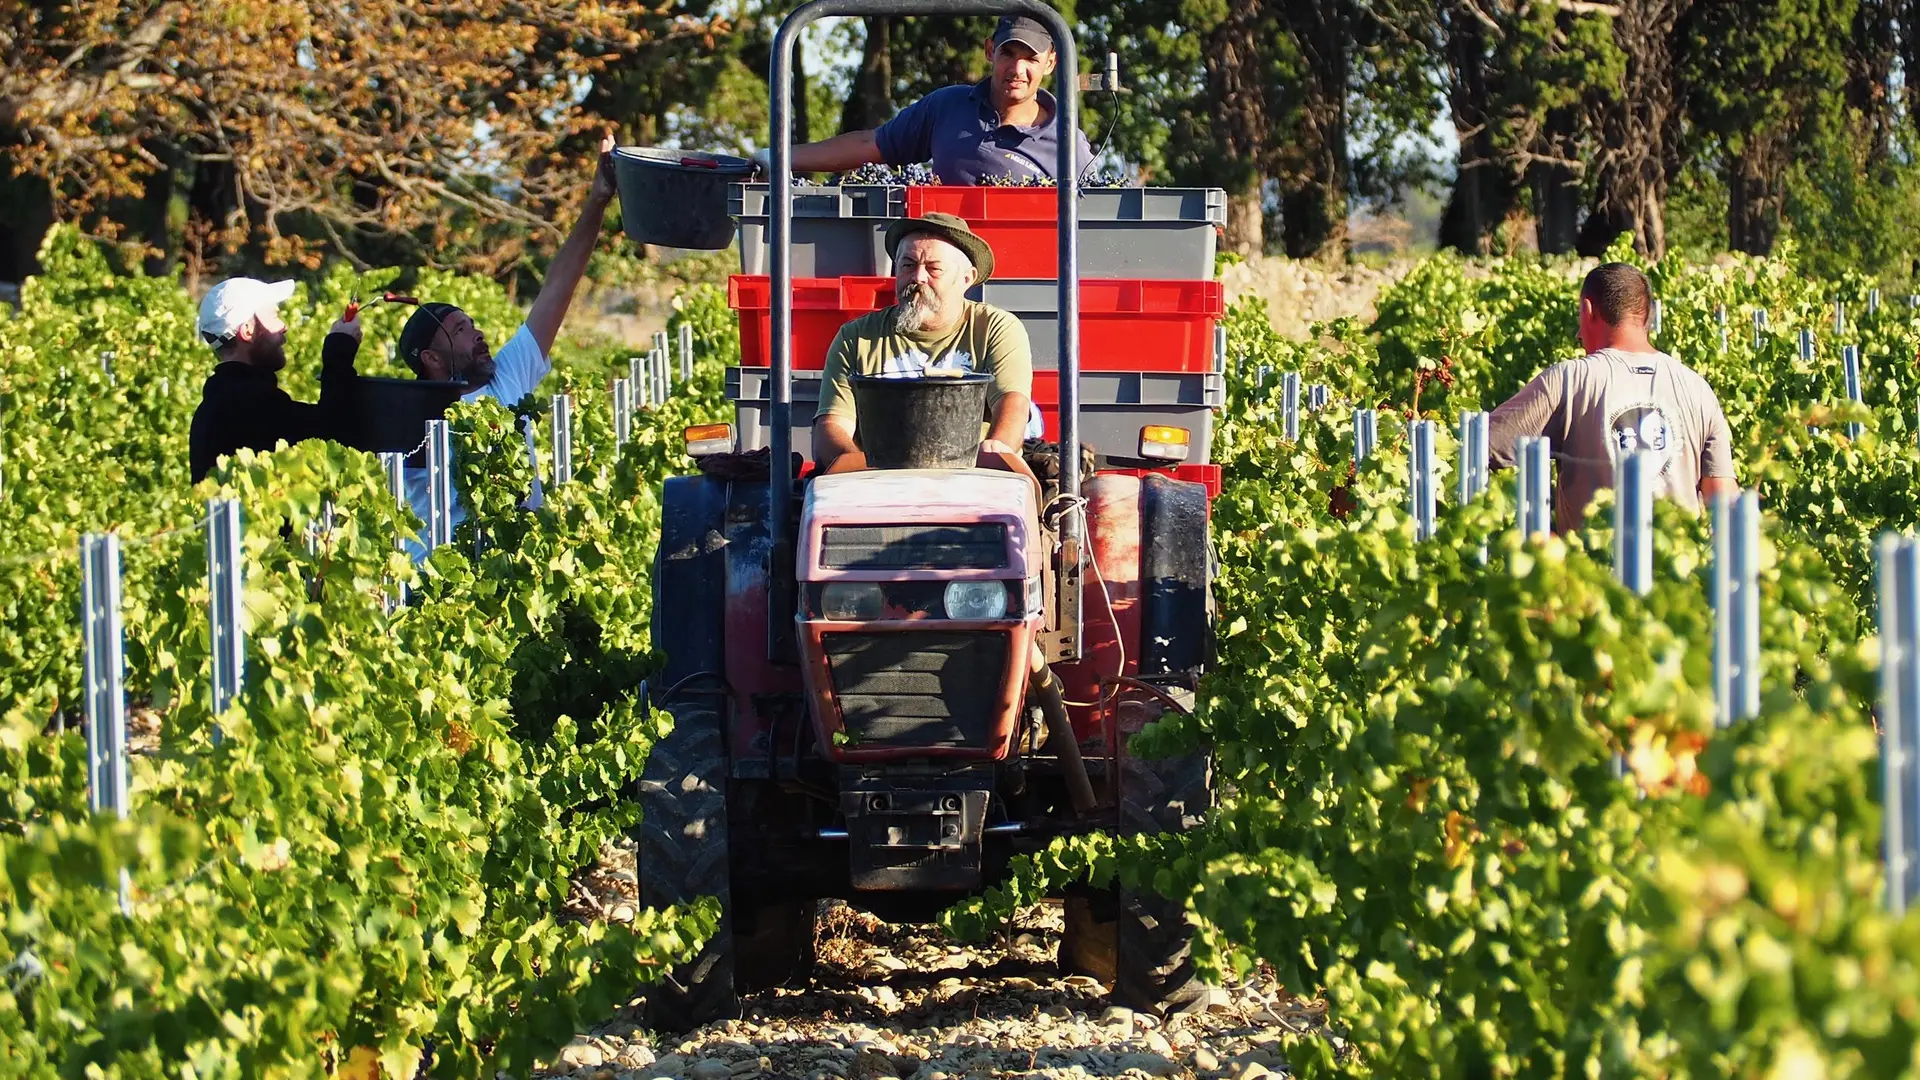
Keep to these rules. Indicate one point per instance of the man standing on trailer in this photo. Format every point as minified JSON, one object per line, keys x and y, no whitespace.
{"x":1623,"y":396}
{"x":242,"y":406}
{"x":441,"y":342}
{"x":1002,"y":128}
{"x":932,"y":328}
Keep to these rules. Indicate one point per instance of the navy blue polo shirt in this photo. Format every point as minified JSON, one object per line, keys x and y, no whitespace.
{"x":957,"y":128}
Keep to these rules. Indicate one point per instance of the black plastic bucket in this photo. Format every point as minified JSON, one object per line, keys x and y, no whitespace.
{"x":677,"y":198}
{"x":924,"y":422}
{"x":394,"y":412}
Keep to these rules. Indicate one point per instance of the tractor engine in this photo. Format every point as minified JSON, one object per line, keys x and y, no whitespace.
{"x":919,"y":605}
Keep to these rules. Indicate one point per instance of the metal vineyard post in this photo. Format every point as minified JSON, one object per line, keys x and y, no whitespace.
{"x":562,"y":439}
{"x":1899,"y":585}
{"x":105,"y":673}
{"x":1473,"y":478}
{"x":395,"y":465}
{"x":1850,"y":361}
{"x":1366,"y":434}
{"x":224,"y":585}
{"x":1290,"y":404}
{"x":1633,"y":521}
{"x":1534,"y":486}
{"x":439,"y":485}
{"x":638,"y":374}
{"x":1420,"y":469}
{"x":622,"y":412}
{"x":1736,"y":606}
{"x":686,"y":352}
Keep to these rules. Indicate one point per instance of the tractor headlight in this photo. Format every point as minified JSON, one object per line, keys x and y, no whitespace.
{"x":851,"y":601}
{"x":976,"y":600}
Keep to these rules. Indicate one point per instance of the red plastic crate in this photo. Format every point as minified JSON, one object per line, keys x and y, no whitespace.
{"x":1021,"y":225}
{"x":1207,"y":476}
{"x":821,"y":306}
{"x":1124,"y":325}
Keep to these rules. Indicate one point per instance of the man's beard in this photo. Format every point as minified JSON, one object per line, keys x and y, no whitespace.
{"x":270,"y":354}
{"x":918,"y":309}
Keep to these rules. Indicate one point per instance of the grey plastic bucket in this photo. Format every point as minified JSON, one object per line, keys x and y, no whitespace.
{"x":677,"y":198}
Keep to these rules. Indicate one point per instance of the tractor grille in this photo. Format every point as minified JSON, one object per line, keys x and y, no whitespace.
{"x":918,"y":689}
{"x":914,"y":547}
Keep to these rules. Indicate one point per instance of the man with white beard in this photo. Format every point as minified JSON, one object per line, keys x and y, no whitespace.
{"x":932,"y":327}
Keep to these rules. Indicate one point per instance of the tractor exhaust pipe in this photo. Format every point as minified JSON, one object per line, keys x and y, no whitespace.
{"x":1050,"y":695}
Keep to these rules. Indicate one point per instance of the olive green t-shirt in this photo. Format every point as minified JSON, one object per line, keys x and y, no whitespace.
{"x":985,"y":340}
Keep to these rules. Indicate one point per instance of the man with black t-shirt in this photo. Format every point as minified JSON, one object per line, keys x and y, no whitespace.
{"x":242,"y":405}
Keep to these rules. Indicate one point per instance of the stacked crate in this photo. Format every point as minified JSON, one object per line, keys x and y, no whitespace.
{"x":1148,"y":299}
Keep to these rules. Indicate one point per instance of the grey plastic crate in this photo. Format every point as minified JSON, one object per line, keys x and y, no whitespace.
{"x":837,"y":231}
{"x":1165,"y":233}
{"x":1114,"y":406}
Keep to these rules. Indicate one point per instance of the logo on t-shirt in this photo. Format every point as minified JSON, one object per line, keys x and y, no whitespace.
{"x":1642,"y":427}
{"x":912,"y":363}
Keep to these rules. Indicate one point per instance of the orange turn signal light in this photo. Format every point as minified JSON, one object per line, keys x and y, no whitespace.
{"x":1164,"y":443}
{"x":705,"y":439}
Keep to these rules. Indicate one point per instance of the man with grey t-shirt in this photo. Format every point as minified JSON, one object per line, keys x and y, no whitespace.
{"x":1623,"y":396}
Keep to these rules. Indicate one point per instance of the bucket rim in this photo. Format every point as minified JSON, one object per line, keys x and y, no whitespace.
{"x":938,"y":378}
{"x":700,"y":162}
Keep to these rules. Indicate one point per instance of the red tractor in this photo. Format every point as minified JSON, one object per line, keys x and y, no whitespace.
{"x":887,"y":683}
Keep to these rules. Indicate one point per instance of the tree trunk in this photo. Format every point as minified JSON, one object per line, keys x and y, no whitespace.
{"x":1246,"y":221}
{"x":1637,"y":124}
{"x":1556,"y":188}
{"x":1482,"y":191}
{"x":1910,"y":57}
{"x":870,"y":102}
{"x":1870,"y":74}
{"x":1237,"y":92}
{"x":1313,"y":214}
{"x":1313,"y":222}
{"x":1756,"y":192}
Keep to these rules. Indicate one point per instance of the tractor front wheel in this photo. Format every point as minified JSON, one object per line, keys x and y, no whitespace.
{"x":683,"y":856}
{"x":1139,"y":941}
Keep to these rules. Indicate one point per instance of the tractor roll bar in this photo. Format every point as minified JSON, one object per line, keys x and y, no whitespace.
{"x":780,"y":609}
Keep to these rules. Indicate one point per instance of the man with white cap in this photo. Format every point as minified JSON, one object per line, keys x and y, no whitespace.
{"x":999,"y":129}
{"x":242,"y":405}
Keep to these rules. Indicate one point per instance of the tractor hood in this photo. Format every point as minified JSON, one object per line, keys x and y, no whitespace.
{"x":877,"y":524}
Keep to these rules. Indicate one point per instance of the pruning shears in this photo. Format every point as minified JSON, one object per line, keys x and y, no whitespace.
{"x":354,"y":305}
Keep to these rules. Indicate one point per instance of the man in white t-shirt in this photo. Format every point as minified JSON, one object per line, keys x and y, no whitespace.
{"x":441,"y":342}
{"x":1623,"y":396}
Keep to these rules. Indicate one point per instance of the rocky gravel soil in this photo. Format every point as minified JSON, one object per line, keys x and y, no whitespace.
{"x":904,"y":1001}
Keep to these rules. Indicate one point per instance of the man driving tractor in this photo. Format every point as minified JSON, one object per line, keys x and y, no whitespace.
{"x":932,"y":328}
{"x":1001,"y":128}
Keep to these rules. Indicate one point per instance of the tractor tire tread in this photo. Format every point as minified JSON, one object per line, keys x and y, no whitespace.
{"x":684,"y":856}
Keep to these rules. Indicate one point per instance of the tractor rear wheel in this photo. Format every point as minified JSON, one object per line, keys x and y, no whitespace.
{"x":774,"y":944}
{"x":683,"y":856}
{"x":1139,"y":941}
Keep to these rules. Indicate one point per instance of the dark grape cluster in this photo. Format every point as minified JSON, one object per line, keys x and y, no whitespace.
{"x":1091,"y":180}
{"x":922,"y":176}
{"x":888,"y":174}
